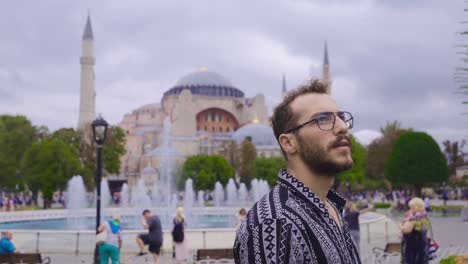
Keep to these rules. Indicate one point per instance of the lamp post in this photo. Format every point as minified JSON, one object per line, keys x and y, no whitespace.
{"x":99,"y":136}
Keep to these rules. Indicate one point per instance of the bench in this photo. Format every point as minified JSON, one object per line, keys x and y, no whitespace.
{"x":26,"y":258}
{"x":217,"y":253}
{"x":391,"y":252}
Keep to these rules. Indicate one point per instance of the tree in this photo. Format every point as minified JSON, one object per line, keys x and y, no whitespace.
{"x":230,"y":151}
{"x":70,"y":137}
{"x":454,"y":153}
{"x":113,"y":149}
{"x":83,"y":144}
{"x":248,"y":154}
{"x":416,"y":159}
{"x":205,"y":170}
{"x":358,"y":171}
{"x":16,"y":135}
{"x":267,"y":169}
{"x":379,"y":150}
{"x":48,"y":165}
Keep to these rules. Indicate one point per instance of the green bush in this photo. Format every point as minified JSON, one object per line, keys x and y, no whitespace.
{"x":382,"y":205}
{"x":449,"y":260}
{"x":449,"y":208}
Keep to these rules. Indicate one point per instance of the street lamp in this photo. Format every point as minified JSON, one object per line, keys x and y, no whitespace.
{"x":99,"y":136}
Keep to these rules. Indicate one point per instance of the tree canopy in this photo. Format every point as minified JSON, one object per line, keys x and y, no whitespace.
{"x":248,"y":154}
{"x":16,"y":135}
{"x":358,"y":171}
{"x":48,"y":165}
{"x":205,"y":170}
{"x":379,"y":150}
{"x":267,"y":169}
{"x":416,"y":159}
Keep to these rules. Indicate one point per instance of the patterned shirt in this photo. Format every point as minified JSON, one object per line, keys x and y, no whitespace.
{"x":292,"y":225}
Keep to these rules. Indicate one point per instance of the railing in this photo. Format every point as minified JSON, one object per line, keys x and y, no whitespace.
{"x":83,"y":241}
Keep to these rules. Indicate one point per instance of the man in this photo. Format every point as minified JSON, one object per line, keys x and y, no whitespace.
{"x":154,"y":238}
{"x":6,"y":246}
{"x":352,"y":220}
{"x":427,"y":204}
{"x":300,"y":220}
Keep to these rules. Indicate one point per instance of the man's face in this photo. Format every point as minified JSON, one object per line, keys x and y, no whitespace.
{"x":147,"y":215}
{"x":9,"y":235}
{"x":324,"y":152}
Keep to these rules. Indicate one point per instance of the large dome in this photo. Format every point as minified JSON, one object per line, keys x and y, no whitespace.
{"x":206,"y":83}
{"x":261,"y":135}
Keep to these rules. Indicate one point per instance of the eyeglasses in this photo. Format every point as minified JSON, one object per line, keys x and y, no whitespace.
{"x":326,"y":120}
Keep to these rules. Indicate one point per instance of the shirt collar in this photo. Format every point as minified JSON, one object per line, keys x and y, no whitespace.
{"x":293,"y":184}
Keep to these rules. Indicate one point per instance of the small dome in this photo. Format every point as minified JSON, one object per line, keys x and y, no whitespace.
{"x":204,"y":77}
{"x":162,"y":151}
{"x":261,"y":135}
{"x":148,"y":170}
{"x":205,"y":83}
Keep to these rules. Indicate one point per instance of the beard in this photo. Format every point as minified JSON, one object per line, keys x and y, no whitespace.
{"x":319,"y":160}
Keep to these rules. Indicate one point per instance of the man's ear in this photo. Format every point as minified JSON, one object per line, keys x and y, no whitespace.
{"x":288,"y":143}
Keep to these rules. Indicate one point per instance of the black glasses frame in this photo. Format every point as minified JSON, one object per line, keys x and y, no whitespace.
{"x":348,"y":122}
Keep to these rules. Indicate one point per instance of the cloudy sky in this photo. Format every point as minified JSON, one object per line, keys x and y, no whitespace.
{"x":390,"y":59}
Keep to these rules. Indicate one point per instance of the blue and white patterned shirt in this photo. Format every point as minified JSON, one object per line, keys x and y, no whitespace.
{"x":292,"y":225}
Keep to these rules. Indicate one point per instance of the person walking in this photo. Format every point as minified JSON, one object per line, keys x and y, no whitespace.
{"x":178,"y":236}
{"x":414,"y":227}
{"x":113,"y":243}
{"x":300,"y":220}
{"x":352,"y":219}
{"x":154,"y":237}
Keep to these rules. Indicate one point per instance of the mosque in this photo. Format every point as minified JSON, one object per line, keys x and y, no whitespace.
{"x":201,"y":112}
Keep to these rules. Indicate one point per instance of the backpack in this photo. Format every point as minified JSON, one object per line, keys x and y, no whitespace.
{"x":178,"y":231}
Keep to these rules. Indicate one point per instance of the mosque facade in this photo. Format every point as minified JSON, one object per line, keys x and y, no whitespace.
{"x":199,"y":114}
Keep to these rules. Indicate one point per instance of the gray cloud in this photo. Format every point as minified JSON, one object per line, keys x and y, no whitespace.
{"x":390,"y":60}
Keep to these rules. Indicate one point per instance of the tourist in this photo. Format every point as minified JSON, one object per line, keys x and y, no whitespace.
{"x":113,"y":243}
{"x":414,"y":228}
{"x":153,"y":238}
{"x":299,"y":220}
{"x":427,"y":204}
{"x":6,"y":246}
{"x":240,"y":217}
{"x":178,"y":236}
{"x":352,"y":220}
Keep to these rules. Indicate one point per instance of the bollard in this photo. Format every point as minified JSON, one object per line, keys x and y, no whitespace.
{"x":204,"y":239}
{"x":77,"y":242}
{"x":37,"y":242}
{"x":368,"y":234}
{"x":386,"y":231}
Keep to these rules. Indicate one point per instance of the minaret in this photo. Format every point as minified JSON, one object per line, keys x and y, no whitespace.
{"x":326,"y":70}
{"x":284,"y":90}
{"x":87,"y":92}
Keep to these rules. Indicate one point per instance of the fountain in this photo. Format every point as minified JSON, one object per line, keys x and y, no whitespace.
{"x":201,"y":199}
{"x":167,"y":164}
{"x":243,"y":194}
{"x":219,"y":194}
{"x":124,"y":196}
{"x":231,"y":193}
{"x":76,"y":202}
{"x":105,"y":194}
{"x":139,"y":198}
{"x":258,"y":189}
